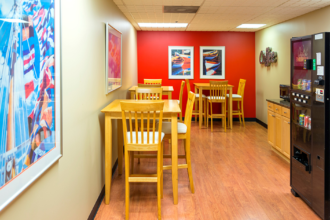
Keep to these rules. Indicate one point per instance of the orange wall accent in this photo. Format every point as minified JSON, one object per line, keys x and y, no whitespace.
{"x":152,"y":50}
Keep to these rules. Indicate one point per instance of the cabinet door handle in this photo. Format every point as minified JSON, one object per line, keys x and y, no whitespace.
{"x":273,"y":115}
{"x":277,"y":109}
{"x":285,"y":112}
{"x":288,"y":122}
{"x":269,"y":106}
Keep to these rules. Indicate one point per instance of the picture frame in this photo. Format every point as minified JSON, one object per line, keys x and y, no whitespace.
{"x":212,"y":62}
{"x":113,"y":69}
{"x":33,"y":129}
{"x":180,"y":62}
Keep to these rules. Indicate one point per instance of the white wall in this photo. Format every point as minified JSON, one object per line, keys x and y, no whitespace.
{"x":69,"y":189}
{"x":278,"y":37}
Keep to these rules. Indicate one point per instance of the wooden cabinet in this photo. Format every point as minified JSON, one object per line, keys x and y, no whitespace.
{"x":286,"y":136}
{"x":279,"y":128}
{"x":278,"y":132}
{"x":271,"y":127}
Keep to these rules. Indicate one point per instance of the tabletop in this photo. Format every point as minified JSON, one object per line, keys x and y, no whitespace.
{"x":165,"y":88}
{"x":170,"y":106}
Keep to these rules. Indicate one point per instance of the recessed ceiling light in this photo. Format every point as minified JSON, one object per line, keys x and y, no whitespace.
{"x":14,"y":20}
{"x":251,"y":25}
{"x":163,"y":25}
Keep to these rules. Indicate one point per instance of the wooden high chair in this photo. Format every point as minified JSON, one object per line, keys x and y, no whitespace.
{"x":144,"y":93}
{"x":153,"y":81}
{"x":218,"y":94}
{"x":184,"y":130}
{"x":180,"y":99}
{"x":149,"y":140}
{"x":239,"y":98}
{"x":196,"y":111}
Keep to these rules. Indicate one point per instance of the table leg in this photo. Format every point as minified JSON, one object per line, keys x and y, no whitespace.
{"x":231,"y":107}
{"x":120,"y":146}
{"x":200,"y":107}
{"x":108,"y":157}
{"x":175,"y":157}
{"x":132,"y":94}
{"x":196,"y":101}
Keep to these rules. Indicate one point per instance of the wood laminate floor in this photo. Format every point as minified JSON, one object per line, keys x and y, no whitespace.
{"x":236,"y":176}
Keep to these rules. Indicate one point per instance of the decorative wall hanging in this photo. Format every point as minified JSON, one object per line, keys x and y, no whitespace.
{"x":212,"y":62}
{"x":113,"y":75}
{"x":267,"y":57}
{"x":30,"y":93}
{"x":180,"y":62}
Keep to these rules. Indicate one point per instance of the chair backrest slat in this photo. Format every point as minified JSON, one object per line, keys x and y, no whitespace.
{"x":241,"y":87}
{"x":142,"y":110}
{"x":188,"y":86}
{"x":181,"y":91}
{"x":153,"y":81}
{"x":189,"y":110}
{"x":218,"y":91}
{"x":148,"y":93}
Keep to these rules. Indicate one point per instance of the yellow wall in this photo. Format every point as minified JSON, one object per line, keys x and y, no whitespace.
{"x":278,"y":37}
{"x":69,"y":189}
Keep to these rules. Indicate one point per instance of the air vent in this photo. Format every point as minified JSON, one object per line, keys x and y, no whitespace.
{"x":181,"y":9}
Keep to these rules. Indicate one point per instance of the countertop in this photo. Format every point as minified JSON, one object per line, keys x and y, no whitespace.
{"x":280,"y":102}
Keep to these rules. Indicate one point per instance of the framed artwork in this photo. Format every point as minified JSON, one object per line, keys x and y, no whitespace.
{"x":180,"y":62}
{"x":212,"y":62}
{"x":30,"y":93}
{"x":113,"y":74}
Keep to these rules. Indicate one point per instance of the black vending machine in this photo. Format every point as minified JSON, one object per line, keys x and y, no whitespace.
{"x":310,"y":114}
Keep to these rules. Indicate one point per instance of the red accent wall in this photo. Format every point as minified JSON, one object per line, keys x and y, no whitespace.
{"x":240,"y":60}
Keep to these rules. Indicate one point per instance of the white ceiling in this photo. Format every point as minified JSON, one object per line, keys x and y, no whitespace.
{"x":217,"y":15}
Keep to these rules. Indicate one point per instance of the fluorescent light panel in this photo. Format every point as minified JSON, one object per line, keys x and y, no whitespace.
{"x":251,"y":25}
{"x":14,"y":20}
{"x":163,"y":25}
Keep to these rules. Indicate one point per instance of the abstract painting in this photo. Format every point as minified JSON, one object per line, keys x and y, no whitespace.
{"x":113,"y":59}
{"x":30,"y":94}
{"x":212,"y":62}
{"x":180,"y":62}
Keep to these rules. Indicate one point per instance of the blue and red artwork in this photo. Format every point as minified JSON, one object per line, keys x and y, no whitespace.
{"x":181,"y":62}
{"x":27,"y":85}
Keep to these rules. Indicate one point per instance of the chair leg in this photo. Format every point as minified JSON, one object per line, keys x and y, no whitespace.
{"x":132,"y":161}
{"x":207,"y":114}
{"x":161,"y":166}
{"x":159,"y":155}
{"x":211,"y":117}
{"x":126,"y":185}
{"x":242,"y":113}
{"x":188,"y":159}
{"x":225,"y":115}
{"x":223,"y":112}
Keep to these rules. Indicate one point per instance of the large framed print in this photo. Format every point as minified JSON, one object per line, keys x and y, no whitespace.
{"x":30,"y":93}
{"x":212,"y":62}
{"x":180,"y":62}
{"x":113,"y":75}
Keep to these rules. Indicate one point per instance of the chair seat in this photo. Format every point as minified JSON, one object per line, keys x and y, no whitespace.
{"x":215,"y":98}
{"x":235,"y":96}
{"x":167,"y":128}
{"x":203,"y":96}
{"x":145,"y":137}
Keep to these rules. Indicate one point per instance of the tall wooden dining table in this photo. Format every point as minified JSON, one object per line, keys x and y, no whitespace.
{"x":167,"y":90}
{"x":113,"y":111}
{"x":199,"y":87}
